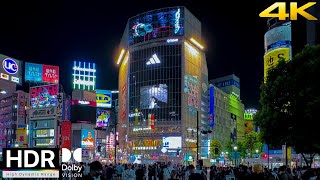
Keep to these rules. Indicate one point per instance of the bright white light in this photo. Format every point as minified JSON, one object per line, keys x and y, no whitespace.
{"x":83,"y":102}
{"x":155,"y":57}
{"x":84,"y":69}
{"x":15,"y":106}
{"x":126,"y":60}
{"x":121,"y":56}
{"x":172,"y":40}
{"x":192,"y":50}
{"x":115,"y":92}
{"x":3,"y":92}
{"x":154,"y":60}
{"x":16,"y":145}
{"x":196,"y":43}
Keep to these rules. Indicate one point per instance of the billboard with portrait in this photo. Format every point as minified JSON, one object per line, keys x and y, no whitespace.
{"x":44,"y":96}
{"x":272,"y":58}
{"x":172,"y":142}
{"x":152,"y":97}
{"x":87,"y":139}
{"x":10,"y":69}
{"x":103,"y":117}
{"x":155,"y":24}
{"x":103,"y":98}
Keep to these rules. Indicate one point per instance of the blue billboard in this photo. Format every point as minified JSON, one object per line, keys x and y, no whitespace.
{"x":33,"y":72}
{"x":161,"y":23}
{"x":211,"y":118}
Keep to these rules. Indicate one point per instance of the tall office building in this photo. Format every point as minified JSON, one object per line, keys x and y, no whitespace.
{"x":162,"y":85}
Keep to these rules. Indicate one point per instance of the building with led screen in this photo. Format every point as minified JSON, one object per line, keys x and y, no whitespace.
{"x":163,"y":83}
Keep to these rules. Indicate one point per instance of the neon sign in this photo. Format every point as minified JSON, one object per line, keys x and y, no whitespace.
{"x":83,"y":102}
{"x":84,"y":77}
{"x":172,"y":40}
{"x":176,"y":22}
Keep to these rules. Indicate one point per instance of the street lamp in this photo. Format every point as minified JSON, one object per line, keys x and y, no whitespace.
{"x":257,"y":151}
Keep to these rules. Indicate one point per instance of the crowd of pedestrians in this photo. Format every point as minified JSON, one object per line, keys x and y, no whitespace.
{"x":169,"y":171}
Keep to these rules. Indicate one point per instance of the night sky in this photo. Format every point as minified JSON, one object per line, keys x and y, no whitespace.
{"x":57,"y":33}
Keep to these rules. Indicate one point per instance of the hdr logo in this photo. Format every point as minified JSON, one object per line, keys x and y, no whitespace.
{"x":31,"y":163}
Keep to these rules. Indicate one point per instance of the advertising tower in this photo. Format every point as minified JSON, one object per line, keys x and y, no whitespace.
{"x":163,"y":86}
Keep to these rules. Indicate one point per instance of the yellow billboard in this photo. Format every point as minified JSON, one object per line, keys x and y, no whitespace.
{"x":272,"y":58}
{"x":22,"y":136}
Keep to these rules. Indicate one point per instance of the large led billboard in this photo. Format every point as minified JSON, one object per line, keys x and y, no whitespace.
{"x":103,"y":98}
{"x":11,"y":69}
{"x":156,"y":24}
{"x":191,"y":87}
{"x":44,"y":96}
{"x":87,"y":139}
{"x":172,"y":142}
{"x":103,"y":117}
{"x":278,"y":37}
{"x":41,"y":73}
{"x":84,"y":76}
{"x":152,"y":97}
{"x":272,"y":58}
{"x":83,"y":113}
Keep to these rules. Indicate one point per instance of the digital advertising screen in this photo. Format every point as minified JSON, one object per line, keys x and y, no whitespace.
{"x":87,"y":139}
{"x":44,"y":96}
{"x":103,"y":117}
{"x":33,"y":72}
{"x":83,"y":113}
{"x":103,"y":98}
{"x":10,"y":69}
{"x":84,"y":75}
{"x":152,"y":97}
{"x":172,"y":142}
{"x":156,"y":24}
{"x":272,"y":58}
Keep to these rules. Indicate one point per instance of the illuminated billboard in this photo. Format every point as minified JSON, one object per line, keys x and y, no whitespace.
{"x":66,"y":135}
{"x":103,"y":117}
{"x":33,"y":72}
{"x":191,"y":87}
{"x":103,"y":98}
{"x":41,"y":73}
{"x":44,"y":96}
{"x":211,"y":111}
{"x":154,"y":96}
{"x":278,"y":37}
{"x":272,"y":58}
{"x":87,"y":139}
{"x":11,"y":69}
{"x":172,"y":142}
{"x":84,"y":76}
{"x":156,"y":24}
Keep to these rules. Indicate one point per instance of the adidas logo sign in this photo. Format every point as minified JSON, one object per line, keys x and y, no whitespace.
{"x":154,"y":60}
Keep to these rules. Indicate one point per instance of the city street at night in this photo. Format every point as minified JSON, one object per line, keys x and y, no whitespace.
{"x":160,"y":90}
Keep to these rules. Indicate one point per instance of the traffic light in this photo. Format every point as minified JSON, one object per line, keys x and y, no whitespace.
{"x":264,"y":156}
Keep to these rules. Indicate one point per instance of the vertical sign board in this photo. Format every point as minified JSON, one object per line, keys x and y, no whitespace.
{"x":211,"y":118}
{"x":59,"y":104}
{"x":66,"y":109}
{"x":66,"y":135}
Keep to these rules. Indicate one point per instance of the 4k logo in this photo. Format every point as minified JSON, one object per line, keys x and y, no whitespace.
{"x":294,"y":11}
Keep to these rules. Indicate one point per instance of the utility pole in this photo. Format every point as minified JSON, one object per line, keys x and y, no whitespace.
{"x":197,"y":137}
{"x":286,"y":154}
{"x":268,"y":156}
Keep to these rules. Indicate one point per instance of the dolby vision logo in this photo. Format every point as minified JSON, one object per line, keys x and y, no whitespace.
{"x":66,"y":155}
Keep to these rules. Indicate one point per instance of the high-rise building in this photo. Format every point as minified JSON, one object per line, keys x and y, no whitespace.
{"x":226,"y":112}
{"x":162,"y":85}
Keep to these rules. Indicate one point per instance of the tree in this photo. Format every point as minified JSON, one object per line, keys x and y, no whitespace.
{"x":290,"y":101}
{"x":252,"y":142}
{"x":215,"y":148}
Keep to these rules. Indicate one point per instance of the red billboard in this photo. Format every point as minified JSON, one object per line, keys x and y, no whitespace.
{"x":50,"y":74}
{"x":66,"y":135}
{"x":86,"y":103}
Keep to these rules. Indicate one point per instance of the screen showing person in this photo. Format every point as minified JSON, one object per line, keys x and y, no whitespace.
{"x":87,"y":139}
{"x":152,"y":97}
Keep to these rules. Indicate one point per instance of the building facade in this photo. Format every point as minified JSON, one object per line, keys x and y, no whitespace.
{"x":162,"y":81}
{"x":228,"y":121}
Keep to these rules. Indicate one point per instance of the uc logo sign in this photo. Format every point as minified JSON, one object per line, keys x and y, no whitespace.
{"x":66,"y":155}
{"x":10,"y":66}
